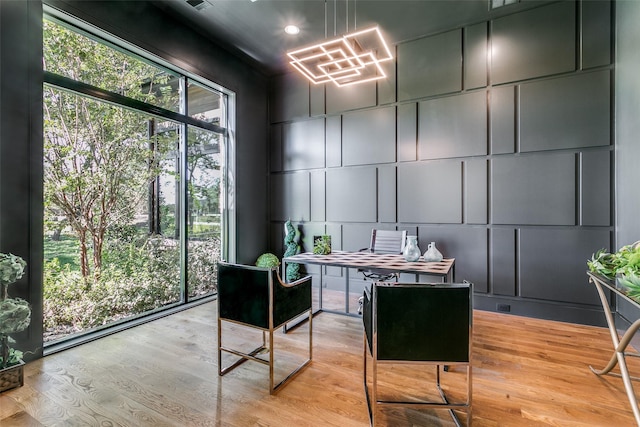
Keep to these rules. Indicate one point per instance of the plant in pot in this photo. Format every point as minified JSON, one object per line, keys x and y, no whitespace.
{"x":322,"y":244}
{"x":15,"y":316}
{"x":267,"y":260}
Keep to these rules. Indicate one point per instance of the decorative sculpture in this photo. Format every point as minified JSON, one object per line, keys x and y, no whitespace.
{"x":291,"y":249}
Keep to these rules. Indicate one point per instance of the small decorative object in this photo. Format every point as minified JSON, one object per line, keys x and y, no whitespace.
{"x":15,"y":316}
{"x":322,"y":245}
{"x":291,"y":249}
{"x":411,"y":252}
{"x":432,"y":254}
{"x":267,"y":260}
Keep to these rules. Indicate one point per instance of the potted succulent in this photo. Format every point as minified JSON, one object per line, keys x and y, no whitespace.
{"x":322,"y":244}
{"x":15,"y":316}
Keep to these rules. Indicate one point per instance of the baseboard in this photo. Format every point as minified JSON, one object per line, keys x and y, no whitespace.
{"x":585,"y":315}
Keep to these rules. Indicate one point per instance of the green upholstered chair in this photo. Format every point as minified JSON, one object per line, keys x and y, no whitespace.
{"x":421,"y":324}
{"x":257,"y":298}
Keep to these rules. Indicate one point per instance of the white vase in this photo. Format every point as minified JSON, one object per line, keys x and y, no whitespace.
{"x":411,"y":252}
{"x":432,"y":254}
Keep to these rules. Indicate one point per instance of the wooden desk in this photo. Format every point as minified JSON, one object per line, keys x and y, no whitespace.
{"x":619,"y":345}
{"x":368,"y":260}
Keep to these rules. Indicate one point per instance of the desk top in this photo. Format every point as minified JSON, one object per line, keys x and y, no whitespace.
{"x":369,"y":260}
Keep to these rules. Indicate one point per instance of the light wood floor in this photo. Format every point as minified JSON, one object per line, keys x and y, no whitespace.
{"x":526,"y":372}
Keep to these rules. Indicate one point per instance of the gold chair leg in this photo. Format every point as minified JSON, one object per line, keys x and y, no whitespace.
{"x":274,"y":388}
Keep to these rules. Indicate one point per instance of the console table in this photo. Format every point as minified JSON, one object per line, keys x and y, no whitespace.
{"x":619,"y":345}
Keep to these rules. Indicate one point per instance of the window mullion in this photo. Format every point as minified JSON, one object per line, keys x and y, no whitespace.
{"x":184,"y":201}
{"x":95,"y":92}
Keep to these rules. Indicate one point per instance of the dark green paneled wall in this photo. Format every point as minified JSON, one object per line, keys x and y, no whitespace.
{"x":494,"y":139}
{"x":21,"y":155}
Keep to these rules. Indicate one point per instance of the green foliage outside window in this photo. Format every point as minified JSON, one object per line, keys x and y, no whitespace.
{"x":111,"y":191}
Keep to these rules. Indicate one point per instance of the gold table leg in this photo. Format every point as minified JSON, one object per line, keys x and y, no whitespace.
{"x":618,"y":356}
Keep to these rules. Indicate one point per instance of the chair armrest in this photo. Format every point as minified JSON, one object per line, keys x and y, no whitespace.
{"x":292,"y":284}
{"x":290,"y":299}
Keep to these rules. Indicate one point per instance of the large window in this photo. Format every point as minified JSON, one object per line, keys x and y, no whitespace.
{"x":134,"y":184}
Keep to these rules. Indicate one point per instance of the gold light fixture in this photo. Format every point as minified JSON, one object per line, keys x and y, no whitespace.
{"x":350,"y":59}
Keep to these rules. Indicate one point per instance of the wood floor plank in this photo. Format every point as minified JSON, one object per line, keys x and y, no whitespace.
{"x":526,"y":372}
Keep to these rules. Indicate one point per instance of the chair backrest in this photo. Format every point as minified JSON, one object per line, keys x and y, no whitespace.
{"x":243,"y":293}
{"x":250,"y":295}
{"x":387,"y":241}
{"x":419,"y":322}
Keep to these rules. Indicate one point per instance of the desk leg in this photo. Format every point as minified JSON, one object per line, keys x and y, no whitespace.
{"x":618,"y":356}
{"x":346,"y":297}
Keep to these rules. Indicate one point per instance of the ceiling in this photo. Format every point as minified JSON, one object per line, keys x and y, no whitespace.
{"x":255,"y":29}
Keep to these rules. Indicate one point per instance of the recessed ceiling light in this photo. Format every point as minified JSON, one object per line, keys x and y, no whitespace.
{"x":291,"y":29}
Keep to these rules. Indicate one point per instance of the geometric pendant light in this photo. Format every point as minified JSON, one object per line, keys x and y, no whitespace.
{"x":350,"y":59}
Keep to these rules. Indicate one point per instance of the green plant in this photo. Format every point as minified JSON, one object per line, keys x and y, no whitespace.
{"x":267,"y":260}
{"x":291,"y":249}
{"x":625,"y":261}
{"x":623,"y":266}
{"x":631,"y":282}
{"x":15,"y":313}
{"x":141,"y":274}
{"x":322,"y":245}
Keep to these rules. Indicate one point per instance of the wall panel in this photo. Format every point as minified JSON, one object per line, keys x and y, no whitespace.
{"x":559,"y":274}
{"x":595,"y":188}
{"x":535,"y":190}
{"x":290,"y":197}
{"x":535,"y":43}
{"x":387,"y":86}
{"x":351,"y":195}
{"x":368,"y":137}
{"x":430,"y":66}
{"x":475,"y":191}
{"x":303,"y":145}
{"x":407,"y":132}
{"x":454,"y":126}
{"x":316,"y":100}
{"x":596,"y":33}
{"x":568,"y":112}
{"x":334,"y":141}
{"x":430,"y":192}
{"x":503,"y":261}
{"x":503,"y":119}
{"x":317,"y":197}
{"x":387,"y":194}
{"x":350,"y":97}
{"x":475,"y":56}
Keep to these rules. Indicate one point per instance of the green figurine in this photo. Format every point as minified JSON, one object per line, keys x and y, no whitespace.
{"x":291,"y":249}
